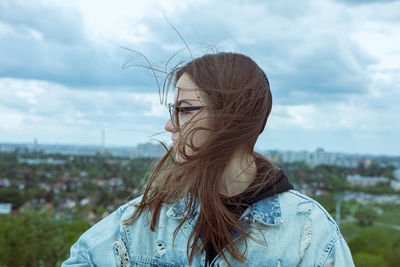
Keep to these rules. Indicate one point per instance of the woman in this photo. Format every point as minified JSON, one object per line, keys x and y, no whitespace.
{"x":211,"y":200}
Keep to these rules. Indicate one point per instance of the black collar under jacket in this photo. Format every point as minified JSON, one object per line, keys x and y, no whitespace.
{"x":238,"y":203}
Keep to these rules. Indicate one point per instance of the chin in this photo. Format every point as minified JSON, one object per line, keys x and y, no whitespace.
{"x":175,"y":154}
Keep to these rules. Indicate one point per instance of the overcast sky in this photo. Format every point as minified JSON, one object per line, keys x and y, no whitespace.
{"x":333,"y":66}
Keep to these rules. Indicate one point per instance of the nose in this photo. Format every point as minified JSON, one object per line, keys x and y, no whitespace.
{"x":169,"y":127}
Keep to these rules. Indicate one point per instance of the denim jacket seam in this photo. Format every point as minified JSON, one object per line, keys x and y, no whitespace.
{"x":328,"y":249}
{"x":87,"y":253}
{"x":123,"y":208}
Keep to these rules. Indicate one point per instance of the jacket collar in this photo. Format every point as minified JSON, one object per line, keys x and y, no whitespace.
{"x":266,"y":211}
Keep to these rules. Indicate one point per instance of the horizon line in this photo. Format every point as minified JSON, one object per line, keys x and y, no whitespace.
{"x":99,"y":146}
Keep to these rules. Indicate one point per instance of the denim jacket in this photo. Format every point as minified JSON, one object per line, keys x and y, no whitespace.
{"x":298,"y":231}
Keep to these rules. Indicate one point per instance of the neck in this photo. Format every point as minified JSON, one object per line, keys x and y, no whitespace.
{"x":238,"y":175}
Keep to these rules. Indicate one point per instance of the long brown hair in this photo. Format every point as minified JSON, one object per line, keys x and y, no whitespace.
{"x":239,"y":102}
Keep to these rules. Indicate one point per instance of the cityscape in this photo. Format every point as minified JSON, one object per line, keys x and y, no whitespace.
{"x":34,"y":155}
{"x":154,"y":150}
{"x":68,"y":188}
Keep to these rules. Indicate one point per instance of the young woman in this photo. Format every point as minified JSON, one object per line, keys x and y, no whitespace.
{"x":211,"y":200}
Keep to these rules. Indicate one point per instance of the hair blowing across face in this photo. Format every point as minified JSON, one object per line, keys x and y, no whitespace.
{"x":239,"y":101}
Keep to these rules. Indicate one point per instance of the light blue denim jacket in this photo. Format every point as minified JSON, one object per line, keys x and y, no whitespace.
{"x":298,"y":232}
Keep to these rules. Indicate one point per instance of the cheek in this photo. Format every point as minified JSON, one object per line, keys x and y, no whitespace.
{"x":200,"y":137}
{"x":197,"y":138}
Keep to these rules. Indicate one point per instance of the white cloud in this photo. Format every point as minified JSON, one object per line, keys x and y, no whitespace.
{"x":334,"y":66}
{"x":367,"y":123}
{"x":38,"y":108}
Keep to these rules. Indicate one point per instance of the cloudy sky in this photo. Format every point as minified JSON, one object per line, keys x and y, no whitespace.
{"x":334,"y":68}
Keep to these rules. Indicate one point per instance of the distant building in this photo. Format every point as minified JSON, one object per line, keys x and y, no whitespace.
{"x":41,"y":161}
{"x":361,"y":197}
{"x":69,"y":204}
{"x":149,"y":150}
{"x":5,"y":182}
{"x":319,"y":157}
{"x":395,"y":185}
{"x":291,"y":156}
{"x":359,"y":180}
{"x":396,"y":174}
{"x":5,"y":208}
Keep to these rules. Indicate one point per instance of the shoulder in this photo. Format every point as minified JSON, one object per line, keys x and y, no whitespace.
{"x":292,"y":207}
{"x":308,"y":216}
{"x":320,"y":240}
{"x":111,"y":223}
{"x":95,"y":245}
{"x":293,"y":203}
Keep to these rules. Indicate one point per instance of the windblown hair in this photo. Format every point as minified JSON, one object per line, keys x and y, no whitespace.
{"x":239,"y":101}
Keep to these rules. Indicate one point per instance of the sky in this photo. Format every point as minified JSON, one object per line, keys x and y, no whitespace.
{"x":71,"y":69}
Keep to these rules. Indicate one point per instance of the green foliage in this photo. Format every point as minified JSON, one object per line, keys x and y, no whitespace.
{"x":32,"y":239}
{"x":372,"y":246}
{"x":328,"y":202}
{"x":365,"y":215}
{"x":333,"y":178}
{"x":383,"y":188}
{"x":336,"y":183}
{"x":349,"y":230}
{"x":390,"y":215}
{"x":100,"y":210}
{"x":392,"y":256}
{"x":368,"y":260}
{"x":376,"y":170}
{"x":12,"y":195}
{"x":348,"y":208}
{"x":370,"y":240}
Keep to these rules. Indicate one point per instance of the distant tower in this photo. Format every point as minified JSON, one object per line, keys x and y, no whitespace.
{"x":338,"y":198}
{"x":338,"y":212}
{"x":103,"y":141}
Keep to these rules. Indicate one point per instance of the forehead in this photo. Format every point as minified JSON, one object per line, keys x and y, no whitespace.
{"x":186,"y":89}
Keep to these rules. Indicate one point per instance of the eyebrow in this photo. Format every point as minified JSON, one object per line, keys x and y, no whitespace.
{"x":185,"y":89}
{"x":183,"y":101}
